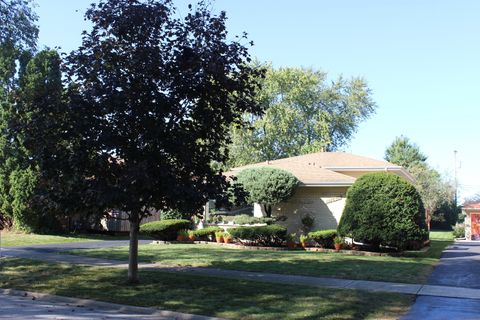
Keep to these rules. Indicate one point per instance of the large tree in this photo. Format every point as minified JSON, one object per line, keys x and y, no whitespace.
{"x":18,"y":36}
{"x":154,"y":96}
{"x":305,"y":113}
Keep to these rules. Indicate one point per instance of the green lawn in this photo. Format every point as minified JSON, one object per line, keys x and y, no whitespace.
{"x":9,"y":239}
{"x":234,"y":299}
{"x":412,"y":269}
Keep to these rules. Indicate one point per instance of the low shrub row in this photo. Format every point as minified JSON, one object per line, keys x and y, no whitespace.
{"x":270,"y":235}
{"x":241,"y":219}
{"x":206,"y":234}
{"x":324,"y":238}
{"x":166,"y":230}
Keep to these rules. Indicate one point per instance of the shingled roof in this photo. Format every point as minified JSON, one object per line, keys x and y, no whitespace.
{"x":327,"y":168}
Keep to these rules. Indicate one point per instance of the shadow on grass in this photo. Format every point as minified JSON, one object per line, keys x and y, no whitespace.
{"x":238,"y":299}
{"x":412,"y":269}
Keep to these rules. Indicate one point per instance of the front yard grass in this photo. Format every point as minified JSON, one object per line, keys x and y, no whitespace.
{"x":414,"y":268}
{"x":234,"y":299}
{"x":8,"y":238}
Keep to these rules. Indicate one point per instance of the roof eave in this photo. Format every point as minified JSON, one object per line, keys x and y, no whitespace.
{"x":326,"y":184}
{"x":386,"y":168}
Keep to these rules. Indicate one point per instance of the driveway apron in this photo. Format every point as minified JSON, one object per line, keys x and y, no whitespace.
{"x":459,"y":266}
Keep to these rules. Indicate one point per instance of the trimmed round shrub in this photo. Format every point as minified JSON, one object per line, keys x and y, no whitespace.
{"x":383,"y":209}
{"x":206,"y":234}
{"x":166,"y":230}
{"x":324,"y":238}
{"x":270,"y":235}
{"x":267,"y":186}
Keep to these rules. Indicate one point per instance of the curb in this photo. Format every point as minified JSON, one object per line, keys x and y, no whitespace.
{"x":119,"y":308}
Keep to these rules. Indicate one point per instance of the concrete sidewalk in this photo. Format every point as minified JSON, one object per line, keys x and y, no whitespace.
{"x":15,"y":304}
{"x":375,"y":286}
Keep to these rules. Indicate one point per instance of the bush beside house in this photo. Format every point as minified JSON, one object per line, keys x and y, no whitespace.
{"x":382,"y":209}
{"x":324,"y":238}
{"x":166,"y":230}
{"x":270,"y":235}
{"x":267,"y":186}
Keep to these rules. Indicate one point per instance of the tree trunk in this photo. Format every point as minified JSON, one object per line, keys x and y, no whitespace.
{"x":133,"y":250}
{"x":268,"y":210}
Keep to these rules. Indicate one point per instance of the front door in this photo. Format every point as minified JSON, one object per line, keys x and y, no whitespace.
{"x":475,"y":226}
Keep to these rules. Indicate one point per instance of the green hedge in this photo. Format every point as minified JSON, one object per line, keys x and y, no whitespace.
{"x":165,"y":229}
{"x":206,"y":234}
{"x":271,"y":235}
{"x":323,"y":237}
{"x":383,"y":209}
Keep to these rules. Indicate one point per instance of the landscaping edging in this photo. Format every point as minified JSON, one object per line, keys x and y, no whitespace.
{"x":310,"y":249}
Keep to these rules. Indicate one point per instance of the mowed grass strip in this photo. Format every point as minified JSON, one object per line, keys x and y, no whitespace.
{"x":9,"y":239}
{"x":414,"y":268}
{"x":233,"y":299}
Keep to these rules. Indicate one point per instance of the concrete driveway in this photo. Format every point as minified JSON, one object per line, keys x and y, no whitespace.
{"x":459,"y":266}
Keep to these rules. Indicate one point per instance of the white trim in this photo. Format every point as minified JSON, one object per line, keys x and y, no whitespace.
{"x":388,"y":168}
{"x":364,"y":168}
{"x":326,"y":184}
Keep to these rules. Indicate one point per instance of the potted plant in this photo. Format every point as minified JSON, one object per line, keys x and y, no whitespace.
{"x":227,"y":238}
{"x":304,"y":240}
{"x":338,"y":242}
{"x":182,"y":235}
{"x":291,"y":240}
{"x":219,"y":236}
{"x":191,"y":235}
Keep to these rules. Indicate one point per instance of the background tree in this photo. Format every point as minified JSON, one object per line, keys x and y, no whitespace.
{"x":436,"y":191}
{"x":267,"y":186}
{"x":304,"y":113}
{"x":153,"y":96}
{"x":404,"y":153}
{"x":18,"y":36}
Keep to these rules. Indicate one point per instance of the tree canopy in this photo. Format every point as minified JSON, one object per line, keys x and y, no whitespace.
{"x":153,"y":96}
{"x":404,"y":153}
{"x":304,"y":113}
{"x":267,"y":186}
{"x":18,"y":36}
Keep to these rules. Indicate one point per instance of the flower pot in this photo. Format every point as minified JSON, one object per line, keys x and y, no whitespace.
{"x":219,"y":239}
{"x":191,"y":238}
{"x":227,"y":240}
{"x":181,"y":238}
{"x":338,"y":246}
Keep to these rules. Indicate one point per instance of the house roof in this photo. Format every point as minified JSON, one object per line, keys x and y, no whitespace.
{"x":309,"y":175}
{"x":472,"y":206}
{"x":327,"y":168}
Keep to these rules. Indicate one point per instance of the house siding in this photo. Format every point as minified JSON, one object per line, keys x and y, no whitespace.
{"x":324,"y":204}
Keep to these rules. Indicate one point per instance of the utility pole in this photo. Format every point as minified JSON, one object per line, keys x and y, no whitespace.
{"x":455,"y":174}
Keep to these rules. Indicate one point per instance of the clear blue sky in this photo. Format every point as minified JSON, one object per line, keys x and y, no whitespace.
{"x":420,"y":58}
